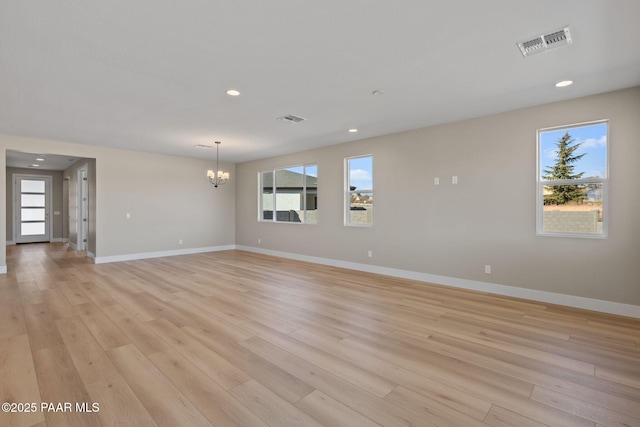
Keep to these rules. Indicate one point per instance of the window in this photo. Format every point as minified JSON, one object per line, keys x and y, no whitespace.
{"x":289,"y":195}
{"x":573,"y":180}
{"x":359,"y":191}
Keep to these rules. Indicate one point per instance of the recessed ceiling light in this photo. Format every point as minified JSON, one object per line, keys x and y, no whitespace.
{"x":40,"y":159}
{"x":564,"y":83}
{"x":233,"y":92}
{"x":34,"y":166}
{"x":353,"y":130}
{"x":377,"y":92}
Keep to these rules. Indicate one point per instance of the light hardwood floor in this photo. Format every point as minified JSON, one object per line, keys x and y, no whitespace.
{"x":238,"y":339}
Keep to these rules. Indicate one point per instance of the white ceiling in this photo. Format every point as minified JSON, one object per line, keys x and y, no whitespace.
{"x":152,"y":75}
{"x":18,"y":159}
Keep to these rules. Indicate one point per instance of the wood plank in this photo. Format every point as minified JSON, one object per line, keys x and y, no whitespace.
{"x":331,"y":413}
{"x":92,"y":362}
{"x":270,"y":407}
{"x":162,"y":310}
{"x":103,"y":329}
{"x":96,"y":295}
{"x":74,"y":293}
{"x":32,"y":298}
{"x":9,"y":288}
{"x":11,"y":318}
{"x":436,"y":412}
{"x":501,"y":417}
{"x":630,"y":378}
{"x":212,"y":364}
{"x":163,"y":401}
{"x":437,"y":391}
{"x":279,"y":381}
{"x":347,"y":370}
{"x":59,"y":382}
{"x":361,"y":401}
{"x":28,"y":286}
{"x":583,"y":409}
{"x":19,"y":382}
{"x":43,"y":332}
{"x":137,"y":332}
{"x":584,"y":387}
{"x":58,"y":304}
{"x":221,"y":408}
{"x":125,"y":296}
{"x":119,"y":406}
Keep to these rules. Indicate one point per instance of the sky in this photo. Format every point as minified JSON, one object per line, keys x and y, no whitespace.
{"x":361,"y":173}
{"x":593,"y":139}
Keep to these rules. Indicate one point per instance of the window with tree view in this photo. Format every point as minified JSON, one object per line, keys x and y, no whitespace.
{"x":572,"y":180}
{"x":289,"y":194}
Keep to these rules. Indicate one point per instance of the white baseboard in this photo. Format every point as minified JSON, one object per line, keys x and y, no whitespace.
{"x":145,"y":255}
{"x":56,"y":240}
{"x":10,"y":242}
{"x":3,"y":269}
{"x":73,"y":246}
{"x":511,"y":291}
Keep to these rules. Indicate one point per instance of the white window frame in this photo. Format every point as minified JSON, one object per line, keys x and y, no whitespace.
{"x":348,"y":193}
{"x":604,"y":181}
{"x":303,"y":218}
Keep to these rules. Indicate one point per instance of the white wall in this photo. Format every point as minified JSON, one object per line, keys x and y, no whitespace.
{"x":169,"y":198}
{"x":488,"y":218}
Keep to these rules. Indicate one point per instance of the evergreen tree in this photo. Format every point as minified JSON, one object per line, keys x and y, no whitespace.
{"x":563,"y":169}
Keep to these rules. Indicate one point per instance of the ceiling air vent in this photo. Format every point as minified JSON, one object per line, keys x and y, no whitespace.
{"x":545,"y":42}
{"x":291,"y":119}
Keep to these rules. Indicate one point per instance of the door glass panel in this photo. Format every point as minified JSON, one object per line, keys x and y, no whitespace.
{"x":33,"y":200}
{"x":31,"y":186}
{"x":32,"y":214}
{"x":32,"y":228}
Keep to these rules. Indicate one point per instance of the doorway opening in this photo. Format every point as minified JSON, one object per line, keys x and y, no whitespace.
{"x":31,"y":208}
{"x":49,"y":199}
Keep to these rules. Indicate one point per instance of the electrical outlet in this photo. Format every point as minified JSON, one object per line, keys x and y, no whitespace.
{"x":370,"y":254}
{"x":454,"y":179}
{"x":487,"y":269}
{"x":436,"y":181}
{"x":180,"y":241}
{"x":259,"y":240}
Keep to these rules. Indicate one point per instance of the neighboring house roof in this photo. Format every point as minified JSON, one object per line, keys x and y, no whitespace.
{"x":289,"y":179}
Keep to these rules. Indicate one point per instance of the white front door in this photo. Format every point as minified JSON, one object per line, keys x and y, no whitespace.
{"x":31,"y":208}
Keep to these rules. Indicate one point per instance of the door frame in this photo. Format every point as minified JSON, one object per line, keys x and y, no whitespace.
{"x":82,"y":205}
{"x":48,"y":202}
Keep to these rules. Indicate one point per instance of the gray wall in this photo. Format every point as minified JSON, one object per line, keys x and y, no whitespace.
{"x":488,"y":218}
{"x":56,"y":200}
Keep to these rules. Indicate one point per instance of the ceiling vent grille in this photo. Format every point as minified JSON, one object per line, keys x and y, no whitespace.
{"x":545,"y":42}
{"x":291,"y":119}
